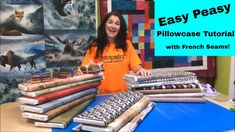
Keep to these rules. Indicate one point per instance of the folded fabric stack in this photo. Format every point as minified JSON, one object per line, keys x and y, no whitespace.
{"x":56,"y":73}
{"x":55,"y":103}
{"x":92,"y":68}
{"x":174,"y":86}
{"x":40,"y":76}
{"x":62,"y":72}
{"x":72,"y":71}
{"x":121,"y":111}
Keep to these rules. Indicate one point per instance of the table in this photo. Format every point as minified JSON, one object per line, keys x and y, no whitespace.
{"x":12,"y":121}
{"x":206,"y":116}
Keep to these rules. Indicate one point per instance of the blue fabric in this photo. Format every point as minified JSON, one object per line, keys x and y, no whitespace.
{"x":181,"y":117}
{"x":69,"y":128}
{"x":188,"y":117}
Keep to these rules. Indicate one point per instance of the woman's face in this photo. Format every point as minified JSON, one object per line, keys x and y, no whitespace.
{"x":112,"y":28}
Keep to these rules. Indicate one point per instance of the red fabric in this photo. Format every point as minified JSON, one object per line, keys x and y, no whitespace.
{"x":210,"y":71}
{"x":103,"y":8}
{"x":58,"y":94}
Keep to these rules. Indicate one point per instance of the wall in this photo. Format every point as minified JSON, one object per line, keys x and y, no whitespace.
{"x":222,"y":74}
{"x":232,"y":78}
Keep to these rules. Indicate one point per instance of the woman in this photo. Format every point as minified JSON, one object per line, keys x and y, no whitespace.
{"x":115,"y":52}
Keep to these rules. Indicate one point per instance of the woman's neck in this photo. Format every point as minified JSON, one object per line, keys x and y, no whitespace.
{"x":111,"y":40}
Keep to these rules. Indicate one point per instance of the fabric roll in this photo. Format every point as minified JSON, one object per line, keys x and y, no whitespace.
{"x":122,"y":119}
{"x":61,"y":121}
{"x":57,"y":82}
{"x":159,"y":84}
{"x":169,"y":86}
{"x":130,"y":126}
{"x":110,"y":109}
{"x":161,"y":77}
{"x":58,"y":94}
{"x":58,"y":102}
{"x":57,"y":88}
{"x":160,"y":80}
{"x":165,"y":91}
{"x":58,"y":110}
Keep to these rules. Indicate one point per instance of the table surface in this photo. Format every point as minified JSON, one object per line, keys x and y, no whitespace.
{"x":206,"y":116}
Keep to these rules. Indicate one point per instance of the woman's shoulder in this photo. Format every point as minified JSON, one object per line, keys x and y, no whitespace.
{"x":129,"y":44}
{"x":92,"y":48}
{"x":93,"y":45}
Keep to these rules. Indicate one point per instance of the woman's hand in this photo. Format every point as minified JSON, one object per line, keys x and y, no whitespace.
{"x":79,"y":72}
{"x":139,"y":70}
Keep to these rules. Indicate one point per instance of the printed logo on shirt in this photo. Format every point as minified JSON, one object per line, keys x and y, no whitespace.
{"x":110,"y":58}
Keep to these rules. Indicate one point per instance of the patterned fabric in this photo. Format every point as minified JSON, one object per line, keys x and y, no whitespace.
{"x":171,"y":86}
{"x":168,"y":91}
{"x":40,"y":76}
{"x":57,"y":82}
{"x":58,"y":110}
{"x":162,"y":80}
{"x":110,"y":109}
{"x":58,"y":94}
{"x":92,"y":68}
{"x":158,"y":77}
{"x":61,"y":121}
{"x":124,"y":118}
{"x":57,"y":88}
{"x":164,"y":86}
{"x":58,"y":102}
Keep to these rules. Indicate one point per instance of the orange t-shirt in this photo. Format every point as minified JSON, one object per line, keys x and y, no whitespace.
{"x":116,"y":64}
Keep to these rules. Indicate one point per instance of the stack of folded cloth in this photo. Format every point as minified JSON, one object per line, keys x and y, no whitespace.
{"x":120,"y":112}
{"x":56,"y":73}
{"x":174,"y":86}
{"x":92,"y":68}
{"x":40,"y":76}
{"x":55,"y":103}
{"x":62,"y":72}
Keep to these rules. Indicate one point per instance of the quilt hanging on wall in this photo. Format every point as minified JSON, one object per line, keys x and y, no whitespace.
{"x":69,"y":27}
{"x":22,"y":45}
{"x":41,"y":34}
{"x":139,"y":16}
